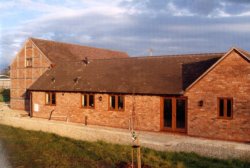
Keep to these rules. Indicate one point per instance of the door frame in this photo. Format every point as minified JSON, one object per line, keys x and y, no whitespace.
{"x":173,"y":129}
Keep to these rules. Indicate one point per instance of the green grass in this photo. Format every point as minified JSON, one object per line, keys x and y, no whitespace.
{"x":4,"y":95}
{"x":32,"y":149}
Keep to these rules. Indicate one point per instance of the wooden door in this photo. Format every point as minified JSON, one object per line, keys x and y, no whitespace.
{"x":174,"y":113}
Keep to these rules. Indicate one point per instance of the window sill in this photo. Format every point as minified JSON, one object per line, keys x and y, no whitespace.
{"x":50,"y":104}
{"x":114,"y":110}
{"x":89,"y":108}
{"x":225,"y":118}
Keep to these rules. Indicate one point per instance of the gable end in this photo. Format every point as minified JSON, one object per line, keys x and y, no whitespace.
{"x":213,"y":66}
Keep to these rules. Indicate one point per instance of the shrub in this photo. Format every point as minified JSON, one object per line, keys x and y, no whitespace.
{"x":4,"y":95}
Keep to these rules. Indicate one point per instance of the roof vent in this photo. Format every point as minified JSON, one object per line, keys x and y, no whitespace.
{"x":76,"y":80}
{"x":53,"y":79}
{"x":85,"y":61}
{"x":52,"y":66}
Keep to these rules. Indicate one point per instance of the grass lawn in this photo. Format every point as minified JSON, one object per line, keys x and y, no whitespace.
{"x":32,"y":149}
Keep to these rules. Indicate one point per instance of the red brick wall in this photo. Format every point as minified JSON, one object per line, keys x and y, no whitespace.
{"x":147,"y":110}
{"x":230,"y":78}
{"x":22,"y":77}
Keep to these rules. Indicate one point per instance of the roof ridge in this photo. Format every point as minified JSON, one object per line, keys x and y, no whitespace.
{"x":242,"y":51}
{"x":75,"y":44}
{"x":157,"y":56}
{"x":185,"y":55}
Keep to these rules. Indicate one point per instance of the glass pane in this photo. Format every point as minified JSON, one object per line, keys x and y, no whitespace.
{"x":91,"y":100}
{"x":180,"y":113}
{"x":29,"y":62}
{"x":221,"y":110}
{"x":47,"y":98}
{"x":229,"y":108}
{"x":53,"y":98}
{"x":120,"y":102}
{"x":167,"y":113}
{"x":112,"y":102}
{"x":84,"y":100}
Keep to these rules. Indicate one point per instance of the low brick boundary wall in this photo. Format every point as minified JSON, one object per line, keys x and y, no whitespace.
{"x":154,"y":140}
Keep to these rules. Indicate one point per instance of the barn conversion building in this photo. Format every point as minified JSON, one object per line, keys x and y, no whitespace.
{"x":205,"y":95}
{"x":37,"y":56}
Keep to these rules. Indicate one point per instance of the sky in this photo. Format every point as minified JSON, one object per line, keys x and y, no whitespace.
{"x":133,"y":26}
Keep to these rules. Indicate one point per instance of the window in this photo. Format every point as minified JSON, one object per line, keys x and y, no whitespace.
{"x":116,"y":102}
{"x":50,"y":98}
{"x":225,"y":108}
{"x":88,"y":101}
{"x":28,"y":62}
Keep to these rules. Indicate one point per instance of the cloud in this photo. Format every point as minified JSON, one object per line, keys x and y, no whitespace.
{"x":54,"y":22}
{"x":211,"y":8}
{"x":200,"y":7}
{"x":134,"y":26}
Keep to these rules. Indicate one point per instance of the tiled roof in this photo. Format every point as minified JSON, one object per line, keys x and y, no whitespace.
{"x":58,"y":51}
{"x":160,"y":75}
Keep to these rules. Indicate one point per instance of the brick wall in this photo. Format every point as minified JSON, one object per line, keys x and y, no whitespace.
{"x":230,"y":78}
{"x":67,"y":107}
{"x":22,"y":77}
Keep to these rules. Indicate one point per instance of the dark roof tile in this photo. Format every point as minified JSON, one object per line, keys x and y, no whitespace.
{"x":141,"y":75}
{"x":58,"y":51}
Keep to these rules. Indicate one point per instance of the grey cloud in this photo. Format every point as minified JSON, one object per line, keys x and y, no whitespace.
{"x":213,"y":7}
{"x":238,"y":1}
{"x":196,"y":7}
{"x":136,"y":33}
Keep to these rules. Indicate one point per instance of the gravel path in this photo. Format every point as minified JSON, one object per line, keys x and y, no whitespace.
{"x":3,"y":161}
